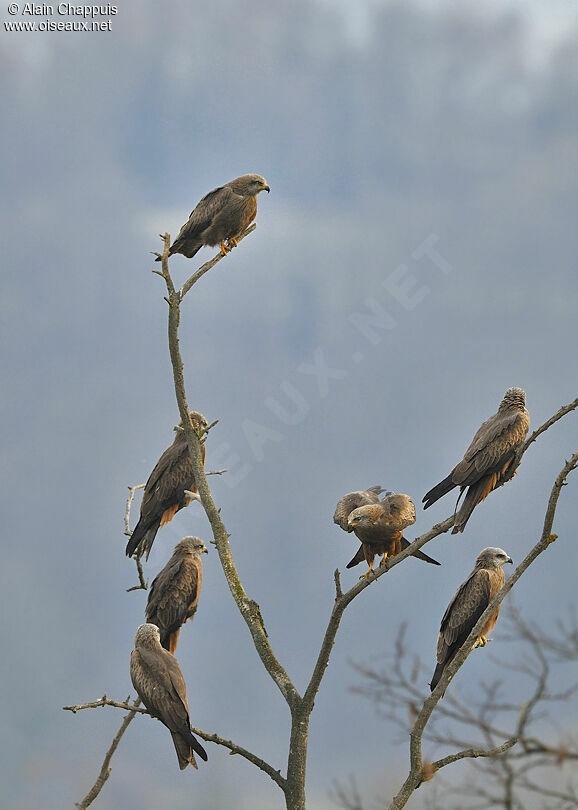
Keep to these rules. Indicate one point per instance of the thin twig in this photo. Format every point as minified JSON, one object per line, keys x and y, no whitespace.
{"x":473,"y":753}
{"x":104,"y":701}
{"x":275,"y":774}
{"x":142,"y":583}
{"x":129,"y":500}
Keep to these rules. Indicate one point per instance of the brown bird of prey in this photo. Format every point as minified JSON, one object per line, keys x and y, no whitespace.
{"x":167,"y":490}
{"x":351,"y":501}
{"x":469,"y":602}
{"x":488,"y":458}
{"x":157,"y":677}
{"x":174,"y":594}
{"x":222,"y":214}
{"x":378,"y":524}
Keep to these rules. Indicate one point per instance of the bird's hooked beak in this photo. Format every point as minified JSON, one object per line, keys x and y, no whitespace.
{"x":206,"y":551}
{"x":351,"y":523}
{"x":265,"y":188}
{"x":510,"y":560}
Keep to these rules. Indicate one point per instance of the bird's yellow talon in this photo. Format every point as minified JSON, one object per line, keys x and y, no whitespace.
{"x":551,"y":538}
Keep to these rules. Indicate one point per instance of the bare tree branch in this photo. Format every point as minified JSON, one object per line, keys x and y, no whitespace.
{"x":129,"y":500}
{"x":472,"y":753}
{"x":220,"y":534}
{"x":205,"y":735}
{"x":294,"y":784}
{"x":104,"y":701}
{"x":273,"y":773}
{"x":142,"y":583}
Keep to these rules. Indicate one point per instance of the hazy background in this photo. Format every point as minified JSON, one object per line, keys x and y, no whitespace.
{"x":377,"y":129}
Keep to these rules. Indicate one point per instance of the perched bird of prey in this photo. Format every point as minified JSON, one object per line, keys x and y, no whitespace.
{"x":470,"y":600}
{"x":378,"y":524}
{"x":351,"y":501}
{"x":174,"y":594}
{"x":222,"y":214}
{"x":157,"y":677}
{"x":167,"y":489}
{"x":487,"y":459}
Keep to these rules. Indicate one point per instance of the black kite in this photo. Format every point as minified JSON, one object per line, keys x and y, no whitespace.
{"x":469,"y":602}
{"x":174,"y":594}
{"x":487,"y":459}
{"x":222,"y":214}
{"x":378,"y":524}
{"x":158,"y":679}
{"x":167,"y":489}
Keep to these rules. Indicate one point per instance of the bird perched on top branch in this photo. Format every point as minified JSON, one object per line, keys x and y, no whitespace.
{"x":220,"y":217}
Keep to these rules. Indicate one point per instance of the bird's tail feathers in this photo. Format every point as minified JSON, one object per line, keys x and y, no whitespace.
{"x":179,"y":246}
{"x":436,"y":676}
{"x":171,"y":640}
{"x":475,"y":495}
{"x":141,"y":540}
{"x":185,"y":743}
{"x":198,"y":748}
{"x":438,"y":491}
{"x":171,"y":251}
{"x":419,"y":554}
{"x":359,"y":557}
{"x":184,"y":750}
